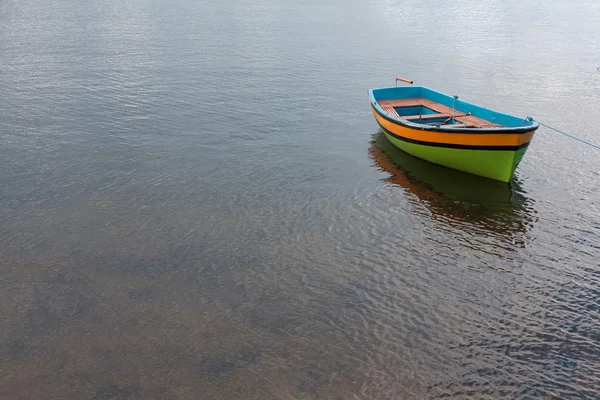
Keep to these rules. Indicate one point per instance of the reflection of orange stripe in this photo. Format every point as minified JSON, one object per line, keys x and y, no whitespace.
{"x":399,"y":177}
{"x":472,"y":139}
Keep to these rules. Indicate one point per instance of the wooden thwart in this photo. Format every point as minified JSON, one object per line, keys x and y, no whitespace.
{"x":390,"y":110}
{"x":425,"y":117}
{"x":466,"y":120}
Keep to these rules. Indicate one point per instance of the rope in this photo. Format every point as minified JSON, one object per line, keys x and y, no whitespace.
{"x":566,"y":134}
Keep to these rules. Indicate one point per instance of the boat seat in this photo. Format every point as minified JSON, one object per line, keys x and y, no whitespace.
{"x":390,"y":110}
{"x":430,"y":116}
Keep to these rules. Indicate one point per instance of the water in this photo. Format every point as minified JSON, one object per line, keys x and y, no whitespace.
{"x":196,"y":203}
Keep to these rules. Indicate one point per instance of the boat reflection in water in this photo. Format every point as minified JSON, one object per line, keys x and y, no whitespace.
{"x":468,"y":202}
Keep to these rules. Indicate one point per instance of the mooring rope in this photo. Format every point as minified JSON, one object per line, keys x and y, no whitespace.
{"x":566,"y":134}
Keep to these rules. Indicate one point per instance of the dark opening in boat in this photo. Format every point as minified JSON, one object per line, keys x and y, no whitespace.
{"x":414,"y":110}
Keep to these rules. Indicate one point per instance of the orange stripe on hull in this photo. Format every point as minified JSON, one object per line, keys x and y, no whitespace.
{"x":468,"y":139}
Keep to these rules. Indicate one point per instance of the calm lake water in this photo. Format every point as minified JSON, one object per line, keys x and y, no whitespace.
{"x":196,"y":203}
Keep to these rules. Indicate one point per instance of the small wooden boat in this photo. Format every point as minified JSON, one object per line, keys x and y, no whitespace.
{"x":447,"y":131}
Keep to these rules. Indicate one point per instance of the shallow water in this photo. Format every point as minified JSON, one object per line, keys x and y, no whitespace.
{"x":197,"y":203}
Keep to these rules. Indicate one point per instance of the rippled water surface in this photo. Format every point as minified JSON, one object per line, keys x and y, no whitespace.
{"x":196,"y":203}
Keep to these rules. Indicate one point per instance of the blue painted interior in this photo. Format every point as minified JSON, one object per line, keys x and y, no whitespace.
{"x":404,"y":92}
{"x":406,"y":111}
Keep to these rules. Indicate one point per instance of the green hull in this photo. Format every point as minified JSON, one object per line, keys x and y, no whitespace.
{"x":494,"y":164}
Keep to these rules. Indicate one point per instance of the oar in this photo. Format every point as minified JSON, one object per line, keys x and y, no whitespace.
{"x":403,"y":80}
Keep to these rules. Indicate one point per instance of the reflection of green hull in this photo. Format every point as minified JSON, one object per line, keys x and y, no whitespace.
{"x":495,"y":164}
{"x":478,"y":204}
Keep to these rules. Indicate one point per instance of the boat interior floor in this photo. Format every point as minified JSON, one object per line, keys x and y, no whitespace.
{"x":441,"y":112}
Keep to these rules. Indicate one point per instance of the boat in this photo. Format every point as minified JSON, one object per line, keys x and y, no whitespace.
{"x":447,"y":131}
